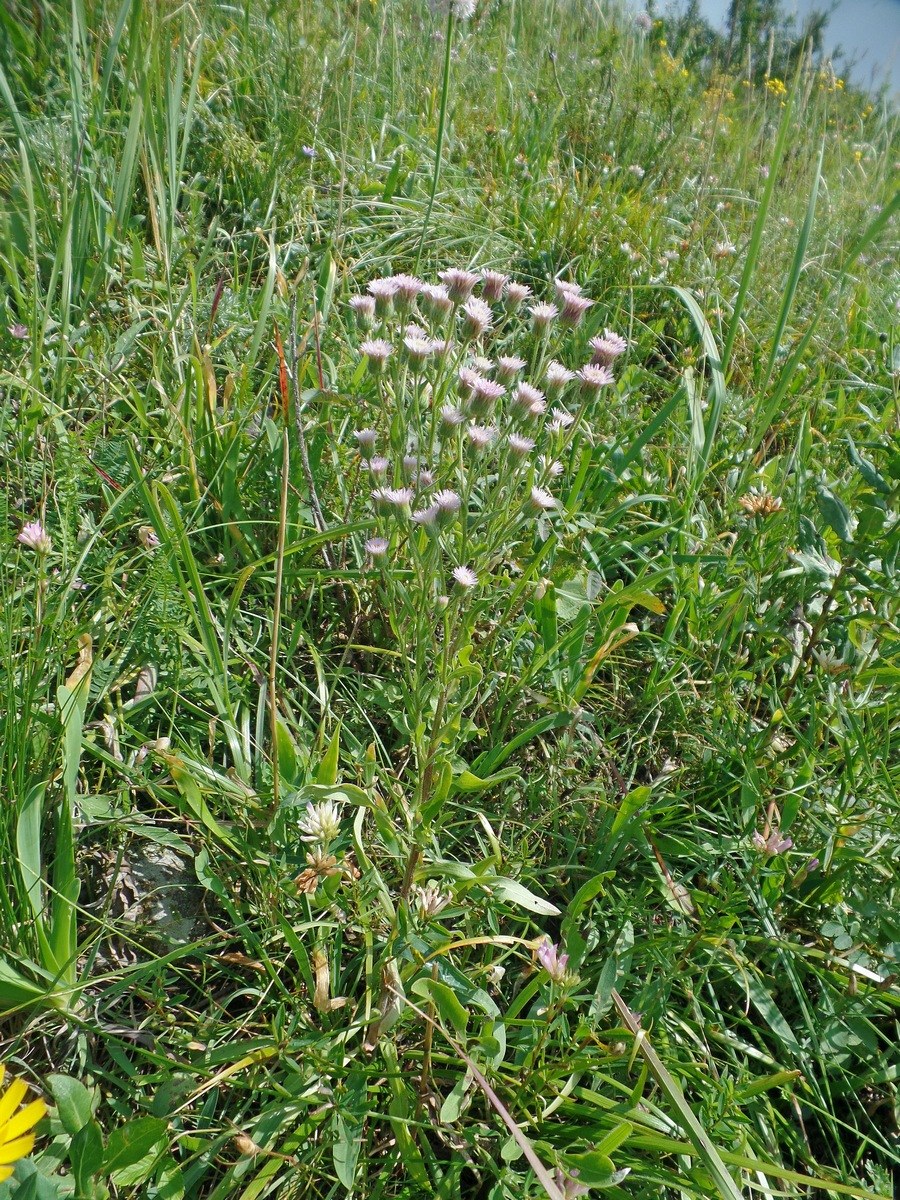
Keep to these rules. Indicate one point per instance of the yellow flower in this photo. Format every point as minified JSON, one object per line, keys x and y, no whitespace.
{"x":16,"y":1140}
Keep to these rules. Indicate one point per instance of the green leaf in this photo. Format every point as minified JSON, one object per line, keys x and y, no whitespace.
{"x":74,"y":1102}
{"x":86,"y":1155}
{"x":631,"y":803}
{"x":835,"y":513}
{"x":328,"y":769}
{"x":345,"y":1151}
{"x":133,"y":1149}
{"x":446,"y":1002}
{"x":514,"y":893}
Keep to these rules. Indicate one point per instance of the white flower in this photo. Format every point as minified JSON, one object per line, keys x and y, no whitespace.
{"x":376,"y":547}
{"x":481,"y":436}
{"x":365,"y":440}
{"x":459,"y":283}
{"x":509,"y":366}
{"x":431,"y":900}
{"x":557,"y":376}
{"x":594,"y":378}
{"x":560,"y":420}
{"x":605,"y":350}
{"x":477,"y":317}
{"x":463,"y":10}
{"x":520,"y":446}
{"x":541,"y":500}
{"x":451,"y":417}
{"x":321,"y":823}
{"x":542,"y":315}
{"x":364,"y":308}
{"x":35,"y":537}
{"x":465,"y":578}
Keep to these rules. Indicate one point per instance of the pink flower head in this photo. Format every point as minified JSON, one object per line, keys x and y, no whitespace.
{"x":434,"y":299}
{"x":365,"y":440}
{"x":481,"y":436}
{"x":485,"y":395}
{"x":447,"y":503}
{"x":406,"y":288}
{"x":426,"y":516}
{"x":516,"y":294}
{"x":364,"y":310}
{"x":459,"y":283}
{"x":36,"y":538}
{"x":605,"y":350}
{"x":774,"y":844}
{"x":560,"y":420}
{"x":418,"y":349}
{"x":493,"y":283}
{"x":378,"y":466}
{"x":383,"y":291}
{"x":465,"y":578}
{"x":376,"y":547}
{"x":565,"y":287}
{"x":477,"y":317}
{"x":519,"y":446}
{"x":542,"y":501}
{"x":552,"y":961}
{"x":574,"y":308}
{"x":594,"y":378}
{"x":377,"y":351}
{"x":557,"y":376}
{"x":509,"y":366}
{"x":392,"y":498}
{"x":451,"y":417}
{"x":543,"y":315}
{"x":529,"y":399}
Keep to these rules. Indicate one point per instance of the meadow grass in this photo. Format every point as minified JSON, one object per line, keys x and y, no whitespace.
{"x":530,"y":825}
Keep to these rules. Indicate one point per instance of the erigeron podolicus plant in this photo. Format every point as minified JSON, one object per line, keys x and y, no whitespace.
{"x":476,"y":397}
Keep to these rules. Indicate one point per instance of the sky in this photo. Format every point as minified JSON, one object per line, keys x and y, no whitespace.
{"x":868,"y":32}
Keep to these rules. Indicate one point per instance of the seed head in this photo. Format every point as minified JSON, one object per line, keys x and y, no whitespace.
{"x":459,"y":283}
{"x":551,"y":467}
{"x":36,"y":538}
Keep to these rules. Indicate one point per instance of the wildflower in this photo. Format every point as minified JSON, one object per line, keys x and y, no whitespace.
{"x":308,"y":151}
{"x":426,"y":516}
{"x":509,"y":366}
{"x":463,"y":10}
{"x":377,"y":351}
{"x":481,"y":436}
{"x":430,"y":901}
{"x":468,"y":379}
{"x":519,"y":446}
{"x":388,"y":498}
{"x":376,"y":547}
{"x":36,"y":538}
{"x":568,"y":1185}
{"x":541,"y":500}
{"x":560,"y":420}
{"x":724,"y":249}
{"x":424,"y":479}
{"x":774,"y":844}
{"x":434,"y":300}
{"x":459,"y":283}
{"x":594,"y":378}
{"x":566,"y":287}
{"x":557,"y":376}
{"x":477,"y":317}
{"x":529,"y":399}
{"x":410,"y":466}
{"x":321,"y":823}
{"x":19,"y":332}
{"x":378,"y":466}
{"x":148,"y":537}
{"x":516,"y":294}
{"x":483,"y":365}
{"x":320,"y":866}
{"x":16,"y":1138}
{"x":759,"y":502}
{"x":406,"y":288}
{"x":485,"y":395}
{"x":550,"y":466}
{"x":574,"y":308}
{"x":451,"y":417}
{"x":606,"y":349}
{"x":418,"y":349}
{"x":364,"y":310}
{"x":637,"y":171}
{"x":465,"y":578}
{"x":492,"y":285}
{"x":365,"y":441}
{"x":551,"y":960}
{"x":383,"y":291}
{"x":542,"y":316}
{"x":448,"y":505}
{"x":644,"y":22}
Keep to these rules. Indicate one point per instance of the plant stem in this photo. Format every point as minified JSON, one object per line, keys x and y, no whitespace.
{"x":442,"y":125}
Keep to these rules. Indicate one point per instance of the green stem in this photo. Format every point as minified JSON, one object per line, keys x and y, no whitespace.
{"x":442,"y":125}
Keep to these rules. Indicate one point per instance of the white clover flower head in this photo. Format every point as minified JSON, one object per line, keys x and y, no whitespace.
{"x":463,"y":10}
{"x":543,"y":316}
{"x":406,"y":288}
{"x":481,"y":436}
{"x":35,"y":537}
{"x":477,"y":317}
{"x":528,"y":399}
{"x":516,"y":294}
{"x":365,"y":441}
{"x":519,"y":446}
{"x":364,"y":310}
{"x":451,"y":416}
{"x":465,"y":578}
{"x":383,"y":292}
{"x":321,"y":823}
{"x":379,"y":466}
{"x":459,"y":283}
{"x":430,"y":900}
{"x":492,"y":285}
{"x":606,"y":349}
{"x":485,"y":395}
{"x":594,"y":378}
{"x":542,"y":501}
{"x":509,"y":366}
{"x":434,"y":299}
{"x":376,"y":547}
{"x":418,"y":349}
{"x":574,"y":308}
{"x":377,"y":351}
{"x":560,"y":420}
{"x":556,"y":377}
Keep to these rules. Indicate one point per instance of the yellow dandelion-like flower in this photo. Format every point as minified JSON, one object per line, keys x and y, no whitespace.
{"x":16,"y":1138}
